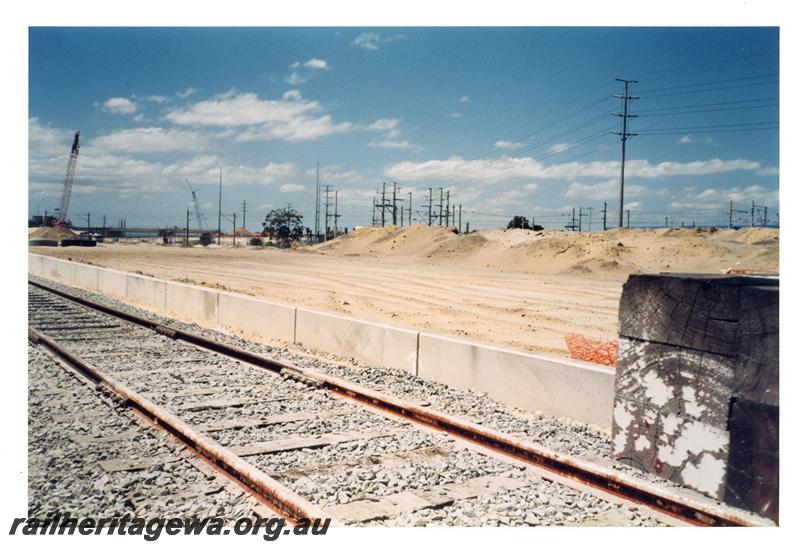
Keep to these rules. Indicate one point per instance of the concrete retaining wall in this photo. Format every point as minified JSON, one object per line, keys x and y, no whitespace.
{"x":553,"y":385}
{"x":266,"y":320}
{"x":192,"y":303}
{"x":373,"y":343}
{"x":146,"y":290}
{"x":112,"y":282}
{"x":86,"y":277}
{"x":556,"y":386}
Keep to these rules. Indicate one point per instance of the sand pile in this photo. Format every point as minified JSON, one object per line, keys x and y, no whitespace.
{"x":58,"y":232}
{"x":615,"y":252}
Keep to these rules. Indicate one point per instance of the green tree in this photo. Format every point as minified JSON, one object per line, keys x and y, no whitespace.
{"x":283,"y":225}
{"x":519,"y":222}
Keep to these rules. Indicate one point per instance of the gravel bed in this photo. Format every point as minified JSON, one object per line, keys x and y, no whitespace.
{"x":539,"y":503}
{"x":368,"y":479}
{"x":65,"y":476}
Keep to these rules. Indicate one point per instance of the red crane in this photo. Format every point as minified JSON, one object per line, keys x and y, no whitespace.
{"x":67,"y":191}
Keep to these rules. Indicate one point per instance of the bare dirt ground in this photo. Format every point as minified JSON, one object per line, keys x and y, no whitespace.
{"x":515,"y":288}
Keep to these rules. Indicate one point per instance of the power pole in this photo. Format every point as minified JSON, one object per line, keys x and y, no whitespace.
{"x":234,"y":228}
{"x":383,"y":206}
{"x":327,"y":215}
{"x":590,"y":209}
{"x":394,"y":203}
{"x":219,"y":213}
{"x":316,"y":209}
{"x":430,"y":206}
{"x":580,"y":219}
{"x":666,"y":221}
{"x":629,"y":217}
{"x":409,"y":209}
{"x":441,"y":204}
{"x":730,"y":215}
{"x":605,"y":213}
{"x":447,"y":218}
{"x":459,"y":218}
{"x":187,"y":228}
{"x":752,"y":213}
{"x":335,"y":213}
{"x":89,"y":221}
{"x":624,"y":135}
{"x":244,"y":215}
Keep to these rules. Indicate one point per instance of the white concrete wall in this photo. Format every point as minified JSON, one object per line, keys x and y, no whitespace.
{"x":192,"y":303}
{"x":62,"y":271}
{"x":553,"y":385}
{"x":259,"y":318}
{"x":112,"y":282}
{"x":146,"y":290}
{"x":35,"y":264}
{"x":86,"y":277}
{"x":373,"y":343}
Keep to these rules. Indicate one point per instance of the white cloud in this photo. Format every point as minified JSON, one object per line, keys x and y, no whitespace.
{"x":316,"y":64}
{"x":384,"y":124}
{"x":296,"y":130}
{"x":290,"y":118}
{"x":151,"y":140}
{"x":685,"y":139}
{"x":717,"y":198}
{"x":205,"y":169}
{"x":294,"y":79}
{"x":120,"y":106}
{"x":393,"y":133}
{"x":516,"y":168}
{"x":231,"y":110}
{"x":464,"y":99}
{"x":186,"y":93}
{"x":503,"y":144}
{"x":372,"y":41}
{"x":46,"y":141}
{"x":393,"y":144}
{"x":768,"y":171}
{"x":455,"y":115}
{"x":157,"y":99}
{"x":335,"y":173}
{"x":560,"y":147}
{"x":291,"y":188}
{"x":368,"y":41}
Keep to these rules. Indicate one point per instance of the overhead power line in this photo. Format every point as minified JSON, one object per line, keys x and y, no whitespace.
{"x":687,"y":92}
{"x":708,"y":83}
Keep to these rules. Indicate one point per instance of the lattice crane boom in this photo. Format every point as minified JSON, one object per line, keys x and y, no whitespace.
{"x":197,"y":214}
{"x":63,"y":208}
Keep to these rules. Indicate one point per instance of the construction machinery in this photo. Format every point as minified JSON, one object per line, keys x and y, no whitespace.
{"x":197,"y":214}
{"x":63,"y":208}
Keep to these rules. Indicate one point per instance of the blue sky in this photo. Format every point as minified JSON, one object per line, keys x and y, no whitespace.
{"x":509,"y":120}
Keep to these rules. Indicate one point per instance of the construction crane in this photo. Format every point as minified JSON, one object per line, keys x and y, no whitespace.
{"x":197,"y":214}
{"x":67,"y":191}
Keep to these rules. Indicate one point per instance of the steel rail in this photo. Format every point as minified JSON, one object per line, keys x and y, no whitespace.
{"x":269,"y":490}
{"x":584,"y":472}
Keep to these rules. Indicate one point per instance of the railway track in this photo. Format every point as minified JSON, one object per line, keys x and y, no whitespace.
{"x":313,"y":445}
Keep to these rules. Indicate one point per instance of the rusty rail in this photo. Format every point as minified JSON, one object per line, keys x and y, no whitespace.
{"x":585,"y":472}
{"x":291,"y":505}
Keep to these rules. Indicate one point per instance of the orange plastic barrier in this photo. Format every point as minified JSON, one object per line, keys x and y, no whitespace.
{"x":590,"y":350}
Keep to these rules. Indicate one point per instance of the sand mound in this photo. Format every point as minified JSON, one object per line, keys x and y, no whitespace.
{"x":614,"y":253}
{"x":58,"y":232}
